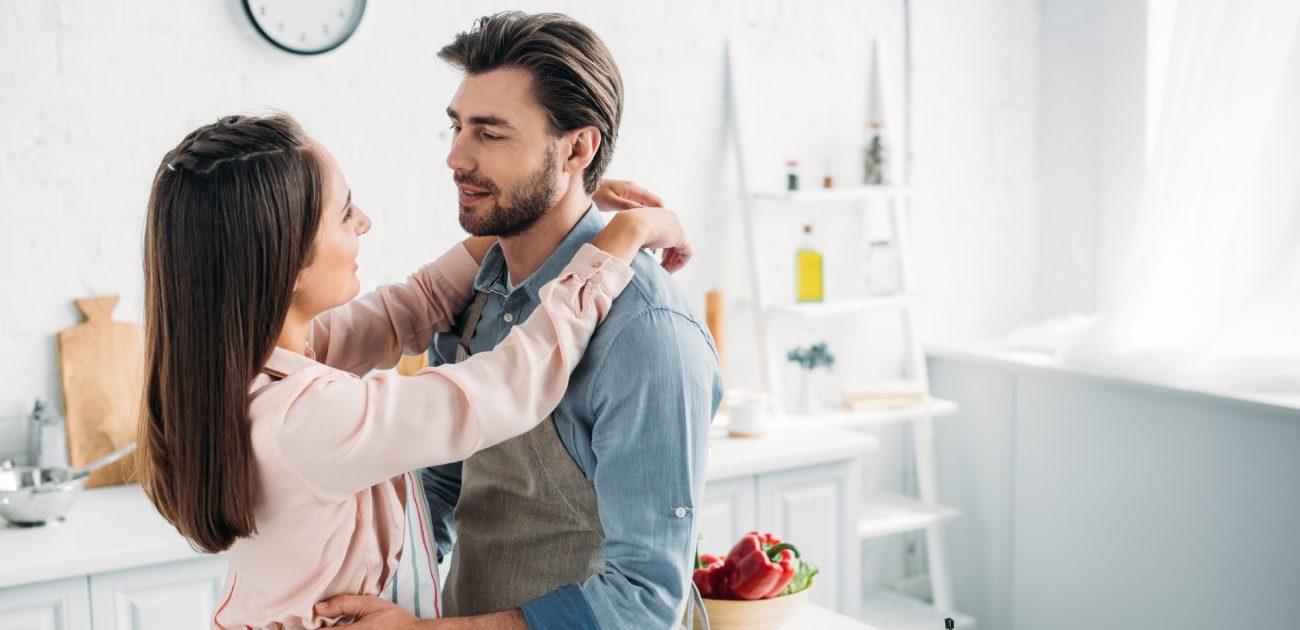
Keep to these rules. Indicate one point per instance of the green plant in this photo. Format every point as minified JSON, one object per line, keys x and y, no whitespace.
{"x":812,"y":357}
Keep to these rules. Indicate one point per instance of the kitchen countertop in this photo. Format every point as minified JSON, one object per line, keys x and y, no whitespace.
{"x":106,"y":530}
{"x":787,"y":444}
{"x":116,"y":528}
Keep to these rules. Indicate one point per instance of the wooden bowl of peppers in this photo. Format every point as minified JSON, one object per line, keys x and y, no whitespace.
{"x":758,"y":585}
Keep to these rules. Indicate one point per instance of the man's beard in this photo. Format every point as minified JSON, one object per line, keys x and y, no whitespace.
{"x":532,"y":197}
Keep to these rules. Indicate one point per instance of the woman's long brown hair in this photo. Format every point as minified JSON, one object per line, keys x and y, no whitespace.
{"x":233,"y":214}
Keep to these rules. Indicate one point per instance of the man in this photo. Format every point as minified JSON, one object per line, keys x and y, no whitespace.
{"x":588,"y":520}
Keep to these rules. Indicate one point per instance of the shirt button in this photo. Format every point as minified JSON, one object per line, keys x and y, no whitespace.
{"x":681,"y":512}
{"x":509,"y":317}
{"x":596,"y":265}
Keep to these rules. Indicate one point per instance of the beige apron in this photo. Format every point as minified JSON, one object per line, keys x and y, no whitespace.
{"x":526,"y":521}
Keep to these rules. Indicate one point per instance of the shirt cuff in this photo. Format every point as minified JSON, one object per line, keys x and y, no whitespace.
{"x":564,"y":608}
{"x":593,"y":264}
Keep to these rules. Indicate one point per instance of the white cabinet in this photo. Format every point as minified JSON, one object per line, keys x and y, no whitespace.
{"x":730,"y":509}
{"x":175,"y":596}
{"x":814,"y":507}
{"x":55,"y":605}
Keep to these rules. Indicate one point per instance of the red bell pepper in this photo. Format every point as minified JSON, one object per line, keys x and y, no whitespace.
{"x":710,"y":576}
{"x":759,"y":566}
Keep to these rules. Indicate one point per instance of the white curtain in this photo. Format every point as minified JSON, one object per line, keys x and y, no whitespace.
{"x":1211,"y":294}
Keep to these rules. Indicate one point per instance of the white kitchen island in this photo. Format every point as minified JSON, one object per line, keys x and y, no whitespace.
{"x":115,"y":564}
{"x":818,"y":618}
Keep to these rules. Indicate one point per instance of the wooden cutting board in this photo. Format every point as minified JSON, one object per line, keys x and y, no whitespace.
{"x":102,"y":365}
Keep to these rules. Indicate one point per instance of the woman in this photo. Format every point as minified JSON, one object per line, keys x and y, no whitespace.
{"x":259,"y":438}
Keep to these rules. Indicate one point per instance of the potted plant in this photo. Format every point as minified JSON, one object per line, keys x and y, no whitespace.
{"x":810,"y":359}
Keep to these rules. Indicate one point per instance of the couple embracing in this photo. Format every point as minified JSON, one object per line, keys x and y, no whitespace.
{"x":555,"y":449}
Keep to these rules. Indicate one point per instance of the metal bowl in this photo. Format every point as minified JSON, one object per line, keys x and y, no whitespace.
{"x":31,"y":496}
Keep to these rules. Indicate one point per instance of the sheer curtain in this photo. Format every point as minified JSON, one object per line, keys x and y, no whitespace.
{"x":1211,"y":293}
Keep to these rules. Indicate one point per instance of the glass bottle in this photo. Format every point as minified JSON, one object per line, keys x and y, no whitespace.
{"x":47,"y":442}
{"x":875,"y":158}
{"x":792,"y":175}
{"x":808,"y":269}
{"x":884,"y":276}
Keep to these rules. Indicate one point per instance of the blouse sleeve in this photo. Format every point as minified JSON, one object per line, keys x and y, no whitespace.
{"x":344,"y":434}
{"x":374,"y":330}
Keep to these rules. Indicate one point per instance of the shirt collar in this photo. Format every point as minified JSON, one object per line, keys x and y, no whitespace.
{"x":284,"y":363}
{"x":494,"y":262}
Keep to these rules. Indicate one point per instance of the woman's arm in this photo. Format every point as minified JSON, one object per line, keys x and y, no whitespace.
{"x":374,"y":330}
{"x":383,"y":426}
{"x":343,"y":434}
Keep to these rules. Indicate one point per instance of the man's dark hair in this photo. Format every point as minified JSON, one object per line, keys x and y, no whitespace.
{"x":574,"y":76}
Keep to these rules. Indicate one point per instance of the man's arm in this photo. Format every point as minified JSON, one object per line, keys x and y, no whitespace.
{"x":442,"y":483}
{"x":373,"y":613}
{"x":441,"y":492}
{"x":653,"y":397}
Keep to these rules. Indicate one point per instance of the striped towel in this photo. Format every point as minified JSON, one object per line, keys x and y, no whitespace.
{"x":415,"y":586}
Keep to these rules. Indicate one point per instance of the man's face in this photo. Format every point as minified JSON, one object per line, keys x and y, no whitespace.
{"x":503,"y":156}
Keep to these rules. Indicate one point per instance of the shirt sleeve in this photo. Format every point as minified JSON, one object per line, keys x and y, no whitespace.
{"x":344,"y":434}
{"x":374,"y":330}
{"x":441,"y":493}
{"x":653,"y":398}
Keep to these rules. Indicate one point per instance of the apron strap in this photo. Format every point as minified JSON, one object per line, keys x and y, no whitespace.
{"x":471,"y":322}
{"x":693,"y":605}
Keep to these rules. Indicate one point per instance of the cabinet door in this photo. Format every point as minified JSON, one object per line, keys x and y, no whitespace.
{"x":54,"y":605}
{"x":176,"y":596}
{"x":816,"y":509}
{"x":729,"y":510}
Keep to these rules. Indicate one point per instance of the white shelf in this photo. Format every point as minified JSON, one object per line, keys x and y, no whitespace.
{"x":842,"y":307}
{"x":850,"y":418}
{"x":831,"y":195}
{"x":886,"y":514}
{"x":888,"y":610}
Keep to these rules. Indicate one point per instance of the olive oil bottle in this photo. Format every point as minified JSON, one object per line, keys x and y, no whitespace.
{"x":808,"y":269}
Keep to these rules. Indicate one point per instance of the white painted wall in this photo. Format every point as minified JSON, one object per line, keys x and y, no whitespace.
{"x":1091,"y":151}
{"x":976,"y":111}
{"x":93,"y":93}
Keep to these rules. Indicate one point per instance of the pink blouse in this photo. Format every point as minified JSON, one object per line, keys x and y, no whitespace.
{"x":331,"y":447}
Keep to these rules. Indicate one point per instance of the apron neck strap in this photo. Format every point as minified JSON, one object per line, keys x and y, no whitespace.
{"x":471,"y":322}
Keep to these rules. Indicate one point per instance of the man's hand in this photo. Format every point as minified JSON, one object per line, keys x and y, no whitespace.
{"x":616,"y":194}
{"x":372,"y":612}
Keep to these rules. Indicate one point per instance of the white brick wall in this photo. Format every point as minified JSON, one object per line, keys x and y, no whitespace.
{"x":92,"y":93}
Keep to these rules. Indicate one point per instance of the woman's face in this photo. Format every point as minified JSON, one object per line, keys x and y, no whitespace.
{"x":331,"y":278}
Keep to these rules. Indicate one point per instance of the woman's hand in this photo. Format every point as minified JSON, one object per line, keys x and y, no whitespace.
{"x":616,"y":194}
{"x":653,"y":228}
{"x":665,"y":231}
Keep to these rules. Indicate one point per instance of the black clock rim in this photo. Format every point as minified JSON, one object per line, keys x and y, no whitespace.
{"x":248,"y":11}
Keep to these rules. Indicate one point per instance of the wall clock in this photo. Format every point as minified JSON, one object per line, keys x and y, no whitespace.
{"x":305,"y":27}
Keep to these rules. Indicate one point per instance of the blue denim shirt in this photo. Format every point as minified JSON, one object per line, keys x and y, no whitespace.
{"x":635,"y":419}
